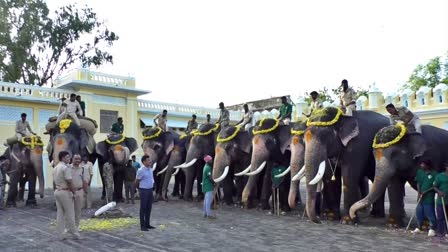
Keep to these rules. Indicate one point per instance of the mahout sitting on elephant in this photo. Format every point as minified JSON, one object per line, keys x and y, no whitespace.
{"x":397,"y":153}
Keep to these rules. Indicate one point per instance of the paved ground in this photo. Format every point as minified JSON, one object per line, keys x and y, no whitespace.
{"x":181,"y":227}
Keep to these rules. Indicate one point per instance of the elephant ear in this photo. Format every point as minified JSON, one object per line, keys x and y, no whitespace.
{"x":84,"y":139}
{"x":131,"y":143}
{"x":284,"y":137}
{"x":348,"y":129}
{"x":168,"y":142}
{"x":101,"y":149}
{"x":244,"y":142}
{"x":416,"y":144}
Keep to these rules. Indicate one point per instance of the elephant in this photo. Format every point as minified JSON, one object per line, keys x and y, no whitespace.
{"x":167,"y":149}
{"x":232,"y":154}
{"x":202,"y":143}
{"x":396,"y":164}
{"x":269,"y":145}
{"x":113,"y":155}
{"x":347,"y":140}
{"x":26,"y":165}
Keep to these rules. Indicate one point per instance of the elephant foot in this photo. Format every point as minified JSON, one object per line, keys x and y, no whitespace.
{"x":103,"y":197}
{"x":10,"y":204}
{"x":265,"y":206}
{"x":377,"y":214}
{"x":346,"y":220}
{"x":332,"y":216}
{"x":31,"y":203}
{"x":393,"y":222}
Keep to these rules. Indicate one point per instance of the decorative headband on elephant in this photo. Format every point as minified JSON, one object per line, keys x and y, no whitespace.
{"x":229,"y":133}
{"x":389,"y":136}
{"x":207,"y":129}
{"x":87,"y":123}
{"x":325,"y":116}
{"x":299,"y":127}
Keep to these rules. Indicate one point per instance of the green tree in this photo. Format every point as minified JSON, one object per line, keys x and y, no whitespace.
{"x":432,"y":73}
{"x":37,"y":46}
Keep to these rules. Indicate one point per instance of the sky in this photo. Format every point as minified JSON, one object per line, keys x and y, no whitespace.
{"x":203,"y":52}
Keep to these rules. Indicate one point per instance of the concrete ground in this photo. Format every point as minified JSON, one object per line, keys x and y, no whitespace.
{"x":181,"y":227}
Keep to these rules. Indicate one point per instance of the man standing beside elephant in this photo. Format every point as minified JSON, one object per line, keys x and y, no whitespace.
{"x":160,"y":120}
{"x":64,"y":195}
{"x":224,"y":116}
{"x":80,"y":178}
{"x":405,"y":115}
{"x":285,"y":111}
{"x":348,"y":98}
{"x":23,"y":129}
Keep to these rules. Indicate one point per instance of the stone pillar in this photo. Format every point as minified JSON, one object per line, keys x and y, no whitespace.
{"x":374,"y":97}
{"x":301,"y":107}
{"x":132,"y":117}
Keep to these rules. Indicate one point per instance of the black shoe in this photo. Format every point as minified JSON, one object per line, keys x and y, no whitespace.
{"x":144,"y":229}
{"x":151,"y":227}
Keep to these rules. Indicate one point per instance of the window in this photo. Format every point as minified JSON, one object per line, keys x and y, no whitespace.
{"x":107,"y":118}
{"x":422,"y":100}
{"x":440,"y":98}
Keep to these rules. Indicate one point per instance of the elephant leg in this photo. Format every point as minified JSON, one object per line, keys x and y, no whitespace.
{"x":396,"y":195}
{"x":181,"y":176}
{"x":120,"y":184}
{"x":283,"y":197}
{"x":240,"y":182}
{"x":175,"y":191}
{"x":31,"y":200}
{"x":101,"y":168}
{"x":200,"y":195}
{"x":266,"y":191}
{"x":22,"y":182}
{"x":364,"y":187}
{"x":351,"y":191}
{"x":12,"y":192}
{"x":189,"y":178}
{"x":108,"y":178}
{"x":228,"y":190}
{"x":332,"y":197}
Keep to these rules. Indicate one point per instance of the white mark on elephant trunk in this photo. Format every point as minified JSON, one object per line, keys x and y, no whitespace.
{"x":162,"y":171}
{"x":283,"y":173}
{"x":243,"y":172}
{"x":223,"y":176}
{"x":258,"y":170}
{"x":154,"y":167}
{"x":358,"y":206}
{"x":188,"y":164}
{"x":175,"y":173}
{"x":319,"y":175}
{"x":299,"y":175}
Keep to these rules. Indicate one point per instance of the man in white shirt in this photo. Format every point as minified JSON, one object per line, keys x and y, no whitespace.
{"x":246,"y":121}
{"x":72,"y":109}
{"x":160,"y":120}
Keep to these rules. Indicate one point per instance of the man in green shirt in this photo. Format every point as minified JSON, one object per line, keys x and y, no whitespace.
{"x":207,"y":187}
{"x":285,"y":111}
{"x":118,"y":127}
{"x":441,"y":187}
{"x":425,"y":179}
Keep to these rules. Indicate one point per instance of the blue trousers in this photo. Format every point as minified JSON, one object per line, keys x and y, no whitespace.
{"x":146,"y":199}
{"x":428,"y":211}
{"x":208,"y":198}
{"x":441,"y":225}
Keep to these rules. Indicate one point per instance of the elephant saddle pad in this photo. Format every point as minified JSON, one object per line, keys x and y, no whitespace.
{"x":325,"y":116}
{"x":32,"y":141}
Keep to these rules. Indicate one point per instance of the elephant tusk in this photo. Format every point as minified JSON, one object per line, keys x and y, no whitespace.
{"x":189,"y":163}
{"x":175,"y":173}
{"x":223,"y":176}
{"x":319,"y":175}
{"x":299,"y":175}
{"x":162,"y":171}
{"x":243,"y":172}
{"x":258,"y":170}
{"x":283,"y":173}
{"x":179,"y":166}
{"x":154,"y":167}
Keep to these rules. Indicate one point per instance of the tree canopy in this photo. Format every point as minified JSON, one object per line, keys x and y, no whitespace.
{"x":327,"y":95}
{"x":37,"y":46}
{"x":434,"y":72}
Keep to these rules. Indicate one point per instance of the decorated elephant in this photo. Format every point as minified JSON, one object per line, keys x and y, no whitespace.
{"x":166,"y":149}
{"x":269,"y":145}
{"x":113,"y":155}
{"x":26,"y":165}
{"x":232,"y":154}
{"x":347,"y":140}
{"x":397,"y":153}
{"x":202,"y":143}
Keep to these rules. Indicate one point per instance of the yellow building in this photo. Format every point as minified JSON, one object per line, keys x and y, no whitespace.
{"x":108,"y":97}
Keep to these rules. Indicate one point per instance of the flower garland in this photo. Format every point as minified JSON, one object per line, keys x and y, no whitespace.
{"x":156,"y":135}
{"x":390,"y":143}
{"x":335,"y":119}
{"x":265,"y":131}
{"x":181,"y":137}
{"x":222,"y":140}
{"x":119,"y":141}
{"x":197,"y":133}
{"x":297,"y":132}
{"x":64,"y":124}
{"x":34,"y":141}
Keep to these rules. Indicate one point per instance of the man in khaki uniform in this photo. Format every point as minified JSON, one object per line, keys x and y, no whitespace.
{"x":160,"y":120}
{"x":88,"y":169}
{"x":62,"y":183}
{"x":79,"y":182}
{"x":314,"y":104}
{"x":405,"y":115}
{"x":23,"y":129}
{"x":348,"y":98}
{"x":72,"y":110}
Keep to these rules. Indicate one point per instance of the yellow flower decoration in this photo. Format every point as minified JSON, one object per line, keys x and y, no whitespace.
{"x":156,"y":135}
{"x":106,"y":224}
{"x":119,"y":141}
{"x":64,"y":124}
{"x":181,"y":137}
{"x":34,"y":141}
{"x":265,"y":131}
{"x":222,"y":140}
{"x":197,"y":133}
{"x":397,"y":139}
{"x":297,"y":132}
{"x":329,"y":123}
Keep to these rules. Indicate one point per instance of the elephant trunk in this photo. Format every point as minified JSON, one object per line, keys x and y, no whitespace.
{"x":315,"y":155}
{"x":220,"y":164}
{"x":36,"y":159}
{"x":383,"y":173}
{"x":176,"y":158}
{"x":190,"y":172}
{"x":297,"y":160}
